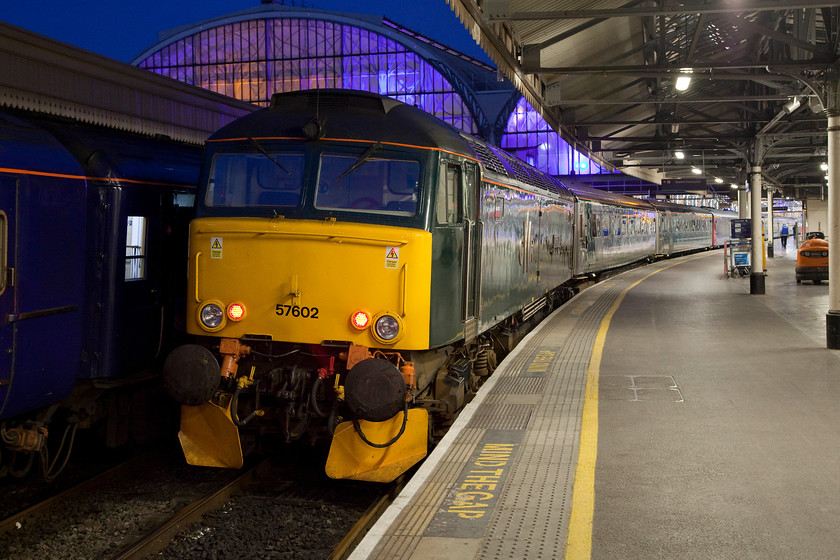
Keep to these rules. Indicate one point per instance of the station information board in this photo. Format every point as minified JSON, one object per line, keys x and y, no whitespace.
{"x":741,"y":229}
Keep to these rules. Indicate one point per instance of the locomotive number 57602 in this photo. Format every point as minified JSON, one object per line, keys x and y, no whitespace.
{"x":296,"y":311}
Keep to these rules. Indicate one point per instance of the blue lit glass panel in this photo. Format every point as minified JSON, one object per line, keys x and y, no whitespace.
{"x":530,"y":137}
{"x":251,"y":60}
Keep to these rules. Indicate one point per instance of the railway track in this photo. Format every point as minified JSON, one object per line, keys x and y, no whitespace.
{"x":364,"y":524}
{"x":36,"y":513}
{"x":159,"y":538}
{"x":142,"y":510}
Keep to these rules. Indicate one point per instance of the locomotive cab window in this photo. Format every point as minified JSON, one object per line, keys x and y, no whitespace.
{"x":368,"y":183}
{"x":448,"y":207}
{"x":135,"y":248}
{"x":255,"y":180}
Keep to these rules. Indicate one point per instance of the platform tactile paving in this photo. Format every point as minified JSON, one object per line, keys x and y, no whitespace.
{"x":538,"y":394}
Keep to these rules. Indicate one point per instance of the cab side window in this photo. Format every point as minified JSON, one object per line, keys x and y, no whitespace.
{"x":448,"y":207}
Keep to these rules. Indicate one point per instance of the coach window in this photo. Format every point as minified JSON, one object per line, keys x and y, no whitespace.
{"x":499,"y":212}
{"x":4,"y":233}
{"x":449,"y":194}
{"x":135,"y":249}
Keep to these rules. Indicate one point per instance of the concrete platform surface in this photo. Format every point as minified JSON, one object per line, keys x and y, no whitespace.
{"x":664,"y":413}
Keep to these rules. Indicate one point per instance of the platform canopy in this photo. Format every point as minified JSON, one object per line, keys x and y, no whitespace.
{"x":50,"y":77}
{"x":607,"y":72}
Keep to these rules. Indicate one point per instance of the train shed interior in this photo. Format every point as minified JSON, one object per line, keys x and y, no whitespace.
{"x":677,"y":92}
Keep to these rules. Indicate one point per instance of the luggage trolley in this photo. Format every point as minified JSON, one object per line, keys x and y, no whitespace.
{"x":739,"y":251}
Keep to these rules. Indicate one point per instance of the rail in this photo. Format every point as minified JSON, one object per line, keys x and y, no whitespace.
{"x":159,"y":538}
{"x":364,"y":524}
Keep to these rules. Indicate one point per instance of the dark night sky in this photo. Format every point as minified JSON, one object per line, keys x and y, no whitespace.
{"x":122,"y":29}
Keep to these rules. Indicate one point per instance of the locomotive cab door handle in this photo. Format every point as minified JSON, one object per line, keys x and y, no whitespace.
{"x":197,"y":256}
{"x":404,"y":289}
{"x":468,"y":271}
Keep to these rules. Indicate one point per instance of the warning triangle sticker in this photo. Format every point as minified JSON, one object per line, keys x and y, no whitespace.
{"x":216,"y":244}
{"x":392,"y":254}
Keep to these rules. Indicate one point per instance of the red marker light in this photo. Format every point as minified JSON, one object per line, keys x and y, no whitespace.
{"x":360,"y":320}
{"x":236,"y":311}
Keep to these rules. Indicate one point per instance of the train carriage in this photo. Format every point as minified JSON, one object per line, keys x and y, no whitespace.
{"x":42,"y":195}
{"x":92,"y":237}
{"x":612,"y":230}
{"x":722,"y":226}
{"x":681,"y":228}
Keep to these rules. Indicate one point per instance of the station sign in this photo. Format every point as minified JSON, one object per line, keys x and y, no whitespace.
{"x":679,"y":185}
{"x":741,"y":229}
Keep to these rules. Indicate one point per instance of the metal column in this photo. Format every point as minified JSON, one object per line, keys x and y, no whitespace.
{"x":832,"y":319}
{"x":757,"y":253}
{"x":769,"y":223}
{"x":743,"y":202}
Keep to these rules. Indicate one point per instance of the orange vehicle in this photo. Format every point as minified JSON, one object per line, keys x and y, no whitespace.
{"x":812,"y":259}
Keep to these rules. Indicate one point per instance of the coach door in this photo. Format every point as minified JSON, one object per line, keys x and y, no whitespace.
{"x":8,"y":190}
{"x":42,"y":289}
{"x":472,"y":251}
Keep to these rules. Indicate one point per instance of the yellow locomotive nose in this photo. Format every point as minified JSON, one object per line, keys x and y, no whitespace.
{"x":285,"y":281}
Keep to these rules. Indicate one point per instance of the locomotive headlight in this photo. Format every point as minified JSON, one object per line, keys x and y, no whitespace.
{"x":211,"y":316}
{"x":387,"y":328}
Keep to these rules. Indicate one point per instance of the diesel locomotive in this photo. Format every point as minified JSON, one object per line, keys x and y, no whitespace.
{"x":357,"y":267}
{"x":93,"y":229}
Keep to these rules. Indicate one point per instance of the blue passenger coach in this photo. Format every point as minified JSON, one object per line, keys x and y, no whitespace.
{"x":92,"y":265}
{"x":42,"y":239}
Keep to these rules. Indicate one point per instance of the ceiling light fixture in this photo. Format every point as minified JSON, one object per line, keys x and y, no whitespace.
{"x":679,"y":154}
{"x":683,"y":80}
{"x":718,"y":180}
{"x":696,"y":171}
{"x":824,"y":166}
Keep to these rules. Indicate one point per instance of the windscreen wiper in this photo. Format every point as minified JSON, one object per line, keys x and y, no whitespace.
{"x":269,"y":156}
{"x":362,"y":159}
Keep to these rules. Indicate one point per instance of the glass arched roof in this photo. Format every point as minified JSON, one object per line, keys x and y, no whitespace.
{"x":253,"y":58}
{"x":532,"y":139}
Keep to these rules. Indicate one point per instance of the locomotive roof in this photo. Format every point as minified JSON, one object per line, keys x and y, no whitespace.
{"x":369,"y":117}
{"x":346,"y":115}
{"x":607,"y":197}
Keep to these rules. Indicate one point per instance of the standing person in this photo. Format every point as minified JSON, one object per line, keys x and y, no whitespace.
{"x":784,"y":235}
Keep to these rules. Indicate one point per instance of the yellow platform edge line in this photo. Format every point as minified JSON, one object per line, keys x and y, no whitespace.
{"x":579,"y":539}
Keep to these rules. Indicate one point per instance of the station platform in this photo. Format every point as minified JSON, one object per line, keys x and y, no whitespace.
{"x":663,"y":413}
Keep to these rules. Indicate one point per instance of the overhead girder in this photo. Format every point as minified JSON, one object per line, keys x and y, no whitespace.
{"x":499,"y":10}
{"x":747,"y":60}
